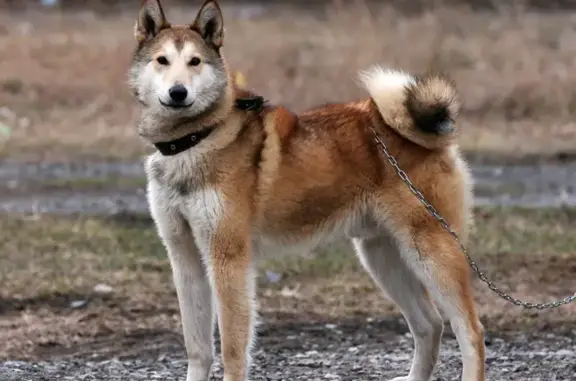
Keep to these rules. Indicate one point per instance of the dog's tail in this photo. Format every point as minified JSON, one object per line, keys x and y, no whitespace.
{"x":420,"y":109}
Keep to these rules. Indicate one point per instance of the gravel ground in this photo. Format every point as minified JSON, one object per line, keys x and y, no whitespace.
{"x":351,"y":350}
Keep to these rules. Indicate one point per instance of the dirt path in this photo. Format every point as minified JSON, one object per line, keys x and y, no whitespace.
{"x":346,"y":350}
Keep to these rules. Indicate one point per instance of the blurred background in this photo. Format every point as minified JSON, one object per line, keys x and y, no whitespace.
{"x":82,"y":272}
{"x":63,"y":68}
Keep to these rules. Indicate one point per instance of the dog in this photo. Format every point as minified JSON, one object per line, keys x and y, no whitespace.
{"x":233,"y":176}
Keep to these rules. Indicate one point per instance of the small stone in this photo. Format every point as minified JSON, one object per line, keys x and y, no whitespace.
{"x":565,"y":353}
{"x":520,"y":368}
{"x":273,"y":277}
{"x":78,"y":304}
{"x":102,"y":288}
{"x":290,"y":293}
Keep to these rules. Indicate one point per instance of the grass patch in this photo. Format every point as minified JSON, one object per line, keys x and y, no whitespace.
{"x":497,"y":231}
{"x":49,"y":262}
{"x":529,"y":253}
{"x":524,"y":231}
{"x":48,"y":254}
{"x":43,"y":255}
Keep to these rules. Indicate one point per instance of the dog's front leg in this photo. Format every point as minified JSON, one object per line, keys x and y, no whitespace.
{"x":195,"y":300}
{"x":192,"y":287}
{"x":231,"y":269}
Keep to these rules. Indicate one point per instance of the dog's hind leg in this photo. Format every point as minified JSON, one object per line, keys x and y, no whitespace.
{"x":442,"y":267}
{"x":436,"y":259}
{"x":382,"y":259}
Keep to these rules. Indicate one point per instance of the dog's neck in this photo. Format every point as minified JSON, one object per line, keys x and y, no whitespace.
{"x":177,"y":134}
{"x":176,"y":146}
{"x":154,"y":127}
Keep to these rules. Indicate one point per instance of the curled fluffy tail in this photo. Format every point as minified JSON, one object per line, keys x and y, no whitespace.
{"x":420,"y":109}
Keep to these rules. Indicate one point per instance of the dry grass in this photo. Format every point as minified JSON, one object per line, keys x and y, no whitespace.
{"x":48,"y":262}
{"x":530,"y":253}
{"x":63,"y":91}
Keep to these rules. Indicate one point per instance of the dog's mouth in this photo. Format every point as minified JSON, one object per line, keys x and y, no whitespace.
{"x":175,"y":105}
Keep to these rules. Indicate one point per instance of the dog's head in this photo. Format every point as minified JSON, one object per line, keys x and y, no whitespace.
{"x":178,"y":71}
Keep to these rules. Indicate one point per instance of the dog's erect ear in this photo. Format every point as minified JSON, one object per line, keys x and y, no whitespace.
{"x":151,"y":20}
{"x":210,"y":24}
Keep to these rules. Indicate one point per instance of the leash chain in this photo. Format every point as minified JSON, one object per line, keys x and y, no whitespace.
{"x":442,"y":221}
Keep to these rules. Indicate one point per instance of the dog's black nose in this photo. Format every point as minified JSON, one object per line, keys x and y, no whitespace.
{"x":178,"y":93}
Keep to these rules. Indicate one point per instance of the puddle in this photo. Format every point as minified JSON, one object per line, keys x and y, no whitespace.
{"x":23,"y":187}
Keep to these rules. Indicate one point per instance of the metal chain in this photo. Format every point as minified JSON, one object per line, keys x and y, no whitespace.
{"x":446,"y":226}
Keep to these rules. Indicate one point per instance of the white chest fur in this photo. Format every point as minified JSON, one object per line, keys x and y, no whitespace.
{"x":178,"y":193}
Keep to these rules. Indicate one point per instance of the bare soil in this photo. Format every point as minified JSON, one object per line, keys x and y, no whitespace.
{"x":351,"y":350}
{"x":302,"y":350}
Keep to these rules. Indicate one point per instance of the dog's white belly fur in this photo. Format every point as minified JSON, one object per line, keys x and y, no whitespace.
{"x":357,"y":225}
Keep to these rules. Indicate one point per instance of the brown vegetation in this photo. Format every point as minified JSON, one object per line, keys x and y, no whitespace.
{"x":63,"y":75}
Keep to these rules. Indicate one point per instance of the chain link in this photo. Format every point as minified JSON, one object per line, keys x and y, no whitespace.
{"x":446,"y":226}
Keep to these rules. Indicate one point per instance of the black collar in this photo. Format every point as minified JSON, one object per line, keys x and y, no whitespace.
{"x":255,"y":103}
{"x":188,"y":141}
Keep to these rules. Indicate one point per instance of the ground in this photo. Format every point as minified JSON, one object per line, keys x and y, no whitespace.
{"x":93,"y":298}
{"x":86,"y":287}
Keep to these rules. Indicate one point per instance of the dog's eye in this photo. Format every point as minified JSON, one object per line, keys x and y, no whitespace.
{"x":195,"y":61}
{"x":162,"y":60}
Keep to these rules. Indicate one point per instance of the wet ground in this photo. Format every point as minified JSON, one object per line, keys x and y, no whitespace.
{"x":360,"y":349}
{"x":111,"y":188}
